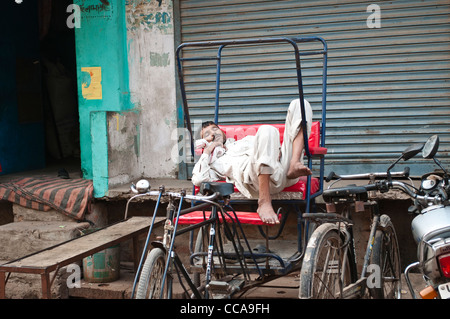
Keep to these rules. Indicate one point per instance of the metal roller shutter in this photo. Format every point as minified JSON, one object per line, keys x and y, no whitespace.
{"x":387,"y":88}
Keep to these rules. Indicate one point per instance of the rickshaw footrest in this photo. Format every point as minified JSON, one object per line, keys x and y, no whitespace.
{"x":196,"y":217}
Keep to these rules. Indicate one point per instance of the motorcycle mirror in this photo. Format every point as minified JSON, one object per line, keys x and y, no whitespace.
{"x":408,"y":153}
{"x":431,"y":147}
{"x":412,"y":151}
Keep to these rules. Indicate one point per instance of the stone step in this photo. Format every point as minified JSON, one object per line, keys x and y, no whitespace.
{"x":27,"y":214}
{"x":118,"y":289}
{"x":98,"y":215}
{"x":23,"y":238}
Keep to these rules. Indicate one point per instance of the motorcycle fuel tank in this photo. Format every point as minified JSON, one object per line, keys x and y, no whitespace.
{"x":430,"y":219}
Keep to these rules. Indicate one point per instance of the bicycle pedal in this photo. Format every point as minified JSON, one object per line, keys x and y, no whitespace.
{"x":221,"y":289}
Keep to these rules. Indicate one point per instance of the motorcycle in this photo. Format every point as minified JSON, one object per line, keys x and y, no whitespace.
{"x":431,"y":225}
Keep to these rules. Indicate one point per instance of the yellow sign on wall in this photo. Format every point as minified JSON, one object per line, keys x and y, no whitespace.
{"x":91,"y":85}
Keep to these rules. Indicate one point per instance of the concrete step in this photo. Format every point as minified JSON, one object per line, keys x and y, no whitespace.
{"x":285,"y":287}
{"x":27,"y":214}
{"x":34,"y":230}
{"x":23,"y":238}
{"x":30,"y":232}
{"x":118,"y":289}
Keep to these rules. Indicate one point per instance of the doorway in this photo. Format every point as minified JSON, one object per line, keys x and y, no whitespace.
{"x":59,"y":82}
{"x":39,"y":103}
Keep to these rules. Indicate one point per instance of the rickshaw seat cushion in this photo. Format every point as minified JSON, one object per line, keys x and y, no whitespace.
{"x":247,"y":218}
{"x":238,"y":132}
{"x":299,"y":187}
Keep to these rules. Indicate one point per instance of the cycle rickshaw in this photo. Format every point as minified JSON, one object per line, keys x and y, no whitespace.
{"x":223,"y":261}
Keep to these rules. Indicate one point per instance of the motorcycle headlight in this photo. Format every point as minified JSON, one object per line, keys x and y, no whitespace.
{"x":428,"y":184}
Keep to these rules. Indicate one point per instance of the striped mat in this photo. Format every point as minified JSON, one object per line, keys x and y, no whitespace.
{"x":68,"y":196}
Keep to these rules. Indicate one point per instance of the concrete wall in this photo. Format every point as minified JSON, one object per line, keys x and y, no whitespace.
{"x":150,"y":42}
{"x":102,"y":70}
{"x":127,"y":100}
{"x":123,"y":147}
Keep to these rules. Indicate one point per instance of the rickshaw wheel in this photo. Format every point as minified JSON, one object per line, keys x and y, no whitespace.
{"x":150,"y":280}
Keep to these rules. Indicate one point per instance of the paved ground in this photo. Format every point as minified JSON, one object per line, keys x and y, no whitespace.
{"x":281,"y":288}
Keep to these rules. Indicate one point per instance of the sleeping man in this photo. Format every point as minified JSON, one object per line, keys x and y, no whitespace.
{"x":257,"y":165}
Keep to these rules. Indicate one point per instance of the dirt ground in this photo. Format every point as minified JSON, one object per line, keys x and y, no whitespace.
{"x":282,"y":288}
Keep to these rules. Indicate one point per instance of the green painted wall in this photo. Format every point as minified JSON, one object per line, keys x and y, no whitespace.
{"x":101,"y":51}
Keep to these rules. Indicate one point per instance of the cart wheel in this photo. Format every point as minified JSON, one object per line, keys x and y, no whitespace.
{"x":150,"y":281}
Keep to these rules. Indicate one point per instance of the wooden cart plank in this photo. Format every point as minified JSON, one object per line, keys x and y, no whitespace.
{"x":81,"y":247}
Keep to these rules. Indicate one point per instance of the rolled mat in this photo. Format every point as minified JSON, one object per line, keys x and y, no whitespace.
{"x":68,"y":196}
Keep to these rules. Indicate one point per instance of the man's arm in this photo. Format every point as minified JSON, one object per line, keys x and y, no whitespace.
{"x":202,"y":171}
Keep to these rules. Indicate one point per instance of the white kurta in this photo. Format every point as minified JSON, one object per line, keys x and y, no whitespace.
{"x":245,"y":159}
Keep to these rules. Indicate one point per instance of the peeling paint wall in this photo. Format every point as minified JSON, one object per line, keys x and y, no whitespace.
{"x":150,"y":41}
{"x":123,"y":147}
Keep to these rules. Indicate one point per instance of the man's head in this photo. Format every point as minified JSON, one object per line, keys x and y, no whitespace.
{"x":211,"y":132}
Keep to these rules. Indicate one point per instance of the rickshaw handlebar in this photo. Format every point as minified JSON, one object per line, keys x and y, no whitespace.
{"x":334,"y":176}
{"x":182,"y":194}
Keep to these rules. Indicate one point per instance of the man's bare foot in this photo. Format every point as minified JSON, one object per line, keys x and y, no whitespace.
{"x":297,"y":169}
{"x":267,"y":214}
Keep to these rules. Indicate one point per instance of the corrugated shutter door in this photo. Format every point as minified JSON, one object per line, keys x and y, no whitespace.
{"x":387,"y":88}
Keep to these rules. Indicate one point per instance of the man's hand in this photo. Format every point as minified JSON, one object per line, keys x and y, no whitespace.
{"x":210,"y":148}
{"x":216,"y":139}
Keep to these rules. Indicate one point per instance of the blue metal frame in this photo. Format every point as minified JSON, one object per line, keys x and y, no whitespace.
{"x":294,"y":42}
{"x":309,"y":198}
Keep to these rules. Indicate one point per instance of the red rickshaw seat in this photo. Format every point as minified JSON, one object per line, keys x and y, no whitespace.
{"x":240,"y":131}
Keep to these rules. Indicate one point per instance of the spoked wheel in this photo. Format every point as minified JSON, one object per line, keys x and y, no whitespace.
{"x":150,"y":280}
{"x":328,"y":266}
{"x":385,"y":280}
